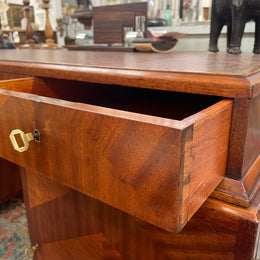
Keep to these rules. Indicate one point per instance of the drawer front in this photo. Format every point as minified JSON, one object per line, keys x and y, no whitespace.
{"x":157,"y":169}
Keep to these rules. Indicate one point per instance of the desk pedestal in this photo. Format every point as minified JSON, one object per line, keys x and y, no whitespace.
{"x":69,"y":225}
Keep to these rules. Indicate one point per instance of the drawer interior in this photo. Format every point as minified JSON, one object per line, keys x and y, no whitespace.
{"x":164,"y":104}
{"x":8,"y":76}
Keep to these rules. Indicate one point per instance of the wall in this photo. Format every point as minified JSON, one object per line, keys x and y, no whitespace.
{"x":39,"y":13}
{"x":197,"y":37}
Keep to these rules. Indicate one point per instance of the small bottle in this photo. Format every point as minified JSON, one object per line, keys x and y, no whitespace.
{"x":140,"y":26}
{"x":168,"y":15}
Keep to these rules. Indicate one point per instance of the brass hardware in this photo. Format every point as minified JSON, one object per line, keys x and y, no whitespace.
{"x":26,"y":138}
{"x":29,"y":251}
{"x":36,"y":135}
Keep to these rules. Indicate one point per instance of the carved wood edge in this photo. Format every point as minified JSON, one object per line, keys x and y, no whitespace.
{"x":240,"y":192}
{"x":196,"y":83}
{"x":254,"y":79}
{"x":232,"y":191}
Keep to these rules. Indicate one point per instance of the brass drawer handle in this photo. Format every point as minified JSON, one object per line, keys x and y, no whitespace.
{"x":26,"y":138}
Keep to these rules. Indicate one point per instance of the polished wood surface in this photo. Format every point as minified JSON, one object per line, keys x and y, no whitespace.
{"x":238,"y":137}
{"x":244,"y":149}
{"x":217,"y":231}
{"x":132,"y":107}
{"x":164,"y":167}
{"x":80,"y":248}
{"x":178,"y":62}
{"x":252,"y":147}
{"x":193,"y":72}
{"x":7,"y":76}
{"x":110,"y":20}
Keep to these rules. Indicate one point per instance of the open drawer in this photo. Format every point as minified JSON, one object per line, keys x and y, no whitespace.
{"x":153,"y":154}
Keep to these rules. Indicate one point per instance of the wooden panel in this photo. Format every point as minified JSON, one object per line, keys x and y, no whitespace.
{"x":246,"y":247}
{"x":110,"y":20}
{"x":252,"y":145}
{"x":6,"y":76}
{"x":28,"y":85}
{"x":197,"y":173}
{"x":10,"y":183}
{"x":243,"y":160}
{"x":238,"y":138}
{"x":217,"y":231}
{"x":115,"y":156}
{"x":42,"y":195}
{"x":92,"y":247}
{"x":232,"y":191}
{"x":192,"y":72}
{"x":108,"y":26}
{"x":185,"y":63}
{"x":70,"y":216}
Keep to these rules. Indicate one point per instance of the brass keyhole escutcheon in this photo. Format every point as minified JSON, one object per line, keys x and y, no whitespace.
{"x":25,"y":138}
{"x":36,"y":135}
{"x":29,"y":251}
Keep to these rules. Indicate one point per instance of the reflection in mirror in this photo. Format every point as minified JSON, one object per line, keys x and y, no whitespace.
{"x":71,"y":25}
{"x":182,"y":11}
{"x":174,"y":11}
{"x":194,"y":10}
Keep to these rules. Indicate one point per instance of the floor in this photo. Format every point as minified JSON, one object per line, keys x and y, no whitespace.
{"x":14,"y":236}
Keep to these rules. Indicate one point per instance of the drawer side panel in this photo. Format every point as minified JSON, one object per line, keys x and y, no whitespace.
{"x":205,"y":159}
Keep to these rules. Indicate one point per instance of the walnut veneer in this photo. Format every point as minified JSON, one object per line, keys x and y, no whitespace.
{"x":131,"y":147}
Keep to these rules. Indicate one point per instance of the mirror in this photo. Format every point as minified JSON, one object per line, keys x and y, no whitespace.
{"x":181,"y":11}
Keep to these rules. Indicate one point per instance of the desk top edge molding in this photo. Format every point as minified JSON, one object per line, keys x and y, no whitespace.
{"x":236,"y":83}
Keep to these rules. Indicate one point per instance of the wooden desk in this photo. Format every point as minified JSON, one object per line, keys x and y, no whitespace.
{"x":128,"y":149}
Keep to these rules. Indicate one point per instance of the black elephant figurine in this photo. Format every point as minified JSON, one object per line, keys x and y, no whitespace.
{"x":235,"y":14}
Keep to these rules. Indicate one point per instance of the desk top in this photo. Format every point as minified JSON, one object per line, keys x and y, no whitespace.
{"x":218,"y":74}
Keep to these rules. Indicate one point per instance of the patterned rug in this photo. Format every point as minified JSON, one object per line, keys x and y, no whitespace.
{"x":14,"y":236}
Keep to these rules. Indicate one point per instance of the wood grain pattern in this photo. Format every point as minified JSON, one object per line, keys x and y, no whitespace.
{"x":252,"y":144}
{"x":8,"y":76}
{"x":125,"y":129}
{"x":224,"y":86}
{"x":92,"y":247}
{"x":41,"y":196}
{"x":243,"y":160}
{"x":217,"y":231}
{"x":156,"y":164}
{"x":192,"y":72}
{"x":185,"y":63}
{"x":232,"y":191}
{"x":110,"y":20}
{"x":238,"y":135}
